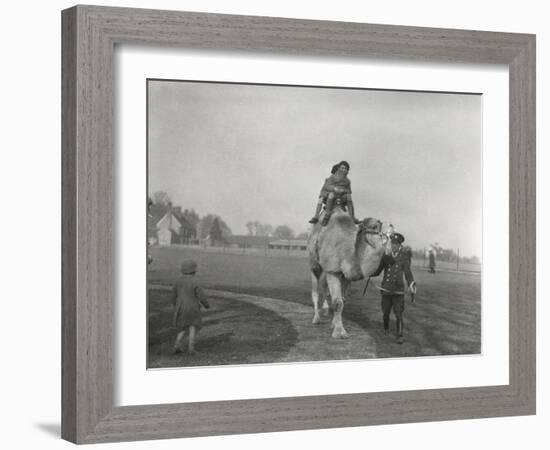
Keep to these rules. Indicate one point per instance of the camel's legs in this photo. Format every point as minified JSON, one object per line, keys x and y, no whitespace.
{"x":335,"y":288}
{"x":318,"y":296}
{"x":315,"y":299}
{"x":323,"y":289}
{"x":345,"y":287}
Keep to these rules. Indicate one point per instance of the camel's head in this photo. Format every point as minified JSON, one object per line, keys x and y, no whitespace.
{"x":372,"y":243}
{"x":370,"y":232}
{"x":371,"y":223}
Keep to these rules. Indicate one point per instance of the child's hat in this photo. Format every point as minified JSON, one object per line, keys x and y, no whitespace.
{"x":188,"y":267}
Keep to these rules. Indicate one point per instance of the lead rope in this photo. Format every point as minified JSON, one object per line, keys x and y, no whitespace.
{"x":366,"y":286}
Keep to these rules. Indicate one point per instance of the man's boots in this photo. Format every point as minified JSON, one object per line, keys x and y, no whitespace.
{"x":399,"y":330}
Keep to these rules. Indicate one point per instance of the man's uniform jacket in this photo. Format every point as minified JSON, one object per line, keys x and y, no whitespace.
{"x":395,"y":268}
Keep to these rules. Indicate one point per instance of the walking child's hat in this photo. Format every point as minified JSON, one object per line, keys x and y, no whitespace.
{"x":188,"y":267}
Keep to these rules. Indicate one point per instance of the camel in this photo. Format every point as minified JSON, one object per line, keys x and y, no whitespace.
{"x":339,"y":253}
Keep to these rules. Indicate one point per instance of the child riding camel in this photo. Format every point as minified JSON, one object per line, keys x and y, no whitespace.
{"x":336,"y":186}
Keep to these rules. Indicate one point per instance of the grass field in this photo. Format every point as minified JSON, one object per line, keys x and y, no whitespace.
{"x":444,"y":320}
{"x":272,"y":252}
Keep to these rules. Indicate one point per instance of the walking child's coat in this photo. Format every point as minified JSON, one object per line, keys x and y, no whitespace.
{"x":187,"y":304}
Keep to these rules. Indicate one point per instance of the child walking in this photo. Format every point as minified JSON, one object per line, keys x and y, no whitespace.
{"x":187,"y":306}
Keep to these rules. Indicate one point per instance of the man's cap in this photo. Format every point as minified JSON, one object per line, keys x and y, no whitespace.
{"x":397,"y":238}
{"x":188,"y":267}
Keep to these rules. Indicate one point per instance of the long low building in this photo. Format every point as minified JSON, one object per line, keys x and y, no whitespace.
{"x":244,"y":241}
{"x":288,"y":244}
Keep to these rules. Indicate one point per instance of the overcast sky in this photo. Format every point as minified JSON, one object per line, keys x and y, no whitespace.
{"x":252,"y":152}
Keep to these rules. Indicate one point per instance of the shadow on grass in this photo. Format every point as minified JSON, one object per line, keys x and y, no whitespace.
{"x":233,"y":332}
{"x":446,"y":320}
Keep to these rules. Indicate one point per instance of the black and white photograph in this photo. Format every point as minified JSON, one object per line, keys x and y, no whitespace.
{"x":278,"y":224}
{"x":293,"y":224}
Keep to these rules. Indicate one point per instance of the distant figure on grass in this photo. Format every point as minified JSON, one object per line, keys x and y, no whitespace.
{"x":408,"y":253}
{"x":336,"y":187}
{"x":431,"y":260}
{"x":395,"y":265}
{"x":187,"y":306}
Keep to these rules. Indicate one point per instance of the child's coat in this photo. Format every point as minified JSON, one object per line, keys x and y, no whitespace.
{"x":189,"y":297}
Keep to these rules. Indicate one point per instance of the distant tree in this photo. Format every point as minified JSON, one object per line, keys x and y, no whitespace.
{"x":447,"y":254}
{"x":161,"y":198}
{"x":302,"y":236}
{"x":216,"y":234}
{"x":192,"y":217}
{"x":283,"y":232}
{"x":205,"y":225}
{"x":265,"y":230}
{"x":256,"y":228}
{"x":251,"y":227}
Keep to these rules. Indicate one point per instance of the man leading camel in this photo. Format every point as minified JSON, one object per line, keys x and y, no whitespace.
{"x":396,"y":266}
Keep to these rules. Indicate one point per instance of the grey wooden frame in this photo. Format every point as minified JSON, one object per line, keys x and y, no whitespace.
{"x":89,"y":36}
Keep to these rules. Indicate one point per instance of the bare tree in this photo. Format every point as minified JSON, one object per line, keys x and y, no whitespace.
{"x":255,"y":228}
{"x":283,"y":232}
{"x":265,"y":230}
{"x":192,"y":217}
{"x":216,"y":233}
{"x":161,"y":198}
{"x":205,"y":225}
{"x":251,"y":228}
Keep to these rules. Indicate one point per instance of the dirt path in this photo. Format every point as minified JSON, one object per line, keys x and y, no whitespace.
{"x":314,"y":342}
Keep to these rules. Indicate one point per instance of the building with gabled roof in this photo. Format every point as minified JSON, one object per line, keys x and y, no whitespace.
{"x":167,"y":225}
